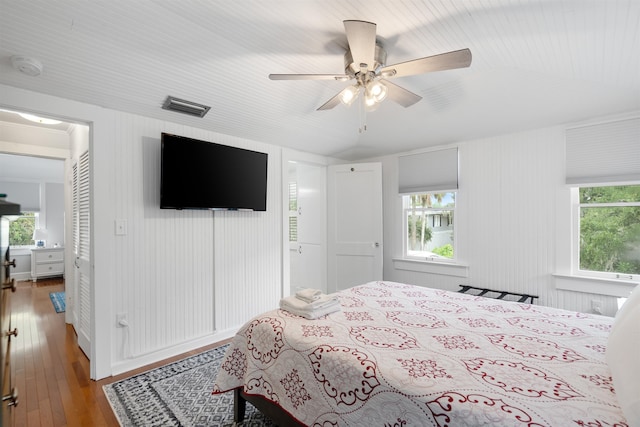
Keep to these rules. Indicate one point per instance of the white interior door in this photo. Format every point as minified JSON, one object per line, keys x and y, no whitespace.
{"x":308,"y":253}
{"x":354,"y":224}
{"x":81,"y":249}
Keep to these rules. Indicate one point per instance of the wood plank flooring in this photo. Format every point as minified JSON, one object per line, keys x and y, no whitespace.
{"x":49,"y":369}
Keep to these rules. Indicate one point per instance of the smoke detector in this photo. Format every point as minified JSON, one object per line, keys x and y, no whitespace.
{"x":29,"y":66}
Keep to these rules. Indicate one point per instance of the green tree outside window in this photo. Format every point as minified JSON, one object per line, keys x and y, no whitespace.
{"x":21,"y":230}
{"x":610,"y":229}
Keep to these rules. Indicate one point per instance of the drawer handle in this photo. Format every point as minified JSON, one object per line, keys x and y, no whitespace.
{"x":12,"y":398}
{"x":8,"y":263}
{"x":14,"y":332}
{"x":9,"y":285}
{"x":50,"y":256}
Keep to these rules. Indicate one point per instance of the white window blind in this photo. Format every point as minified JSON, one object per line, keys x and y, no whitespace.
{"x":604,"y":153}
{"x":429,"y":171}
{"x":26,"y":194}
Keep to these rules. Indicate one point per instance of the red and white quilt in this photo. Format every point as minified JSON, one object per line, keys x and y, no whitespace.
{"x":402,"y":355}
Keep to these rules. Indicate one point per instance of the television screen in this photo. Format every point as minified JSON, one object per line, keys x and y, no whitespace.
{"x":204,"y":175}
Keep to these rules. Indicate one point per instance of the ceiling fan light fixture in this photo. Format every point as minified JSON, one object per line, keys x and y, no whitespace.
{"x":349,"y":95}
{"x":377,"y":90}
{"x":370,"y":104}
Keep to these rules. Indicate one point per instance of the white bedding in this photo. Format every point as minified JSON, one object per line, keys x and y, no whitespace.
{"x":401,"y":355}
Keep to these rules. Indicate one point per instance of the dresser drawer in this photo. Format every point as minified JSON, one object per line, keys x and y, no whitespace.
{"x":47,"y":262}
{"x":48,"y":256}
{"x":49,"y":269}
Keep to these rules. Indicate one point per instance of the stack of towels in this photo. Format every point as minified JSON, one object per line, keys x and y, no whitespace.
{"x":310,"y":303}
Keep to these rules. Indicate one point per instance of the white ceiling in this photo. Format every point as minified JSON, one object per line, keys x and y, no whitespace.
{"x":535,"y":64}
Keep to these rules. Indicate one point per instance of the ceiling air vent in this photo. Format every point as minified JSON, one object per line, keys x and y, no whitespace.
{"x":186,"y":107}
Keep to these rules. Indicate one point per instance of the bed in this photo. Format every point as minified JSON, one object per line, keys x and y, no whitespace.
{"x":403,"y":355}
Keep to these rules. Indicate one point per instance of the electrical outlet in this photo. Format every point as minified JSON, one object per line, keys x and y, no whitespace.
{"x":120,"y":227}
{"x":121,"y":320}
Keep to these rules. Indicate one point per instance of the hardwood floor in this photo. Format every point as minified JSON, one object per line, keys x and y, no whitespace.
{"x":49,"y":369}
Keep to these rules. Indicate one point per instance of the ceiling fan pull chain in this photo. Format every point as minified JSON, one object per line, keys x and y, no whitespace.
{"x":362,"y":112}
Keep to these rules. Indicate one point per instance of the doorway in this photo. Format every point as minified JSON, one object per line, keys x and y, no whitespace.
{"x":49,"y":141}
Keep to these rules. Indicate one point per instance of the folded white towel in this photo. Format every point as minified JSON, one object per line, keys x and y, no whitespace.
{"x":295,"y":302}
{"x":325,"y":305}
{"x":309,"y":294}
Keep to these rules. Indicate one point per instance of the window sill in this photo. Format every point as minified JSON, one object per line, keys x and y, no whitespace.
{"x":433,"y":267}
{"x":594,"y":285}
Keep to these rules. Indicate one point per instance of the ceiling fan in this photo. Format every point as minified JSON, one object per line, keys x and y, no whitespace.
{"x":365,"y":61}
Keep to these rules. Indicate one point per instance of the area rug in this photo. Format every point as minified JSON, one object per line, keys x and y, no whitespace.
{"x":57,"y":298}
{"x":178,"y":394}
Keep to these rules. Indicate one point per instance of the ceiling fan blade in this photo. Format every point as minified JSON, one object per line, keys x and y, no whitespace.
{"x":338,"y":77}
{"x":361,"y":36}
{"x":444,"y":61}
{"x":400,"y":95}
{"x":331,"y":103}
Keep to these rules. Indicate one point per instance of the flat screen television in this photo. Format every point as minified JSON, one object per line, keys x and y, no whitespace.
{"x":204,"y":175}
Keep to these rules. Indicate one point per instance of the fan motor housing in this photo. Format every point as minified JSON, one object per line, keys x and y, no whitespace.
{"x":352,"y":69}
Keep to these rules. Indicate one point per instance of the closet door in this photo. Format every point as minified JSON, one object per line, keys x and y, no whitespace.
{"x":81,"y":248}
{"x":308,"y":253}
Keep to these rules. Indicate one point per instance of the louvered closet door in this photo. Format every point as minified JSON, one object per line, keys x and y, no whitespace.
{"x":82,"y":276}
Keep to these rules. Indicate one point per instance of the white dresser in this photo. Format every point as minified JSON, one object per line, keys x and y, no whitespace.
{"x":46,"y":262}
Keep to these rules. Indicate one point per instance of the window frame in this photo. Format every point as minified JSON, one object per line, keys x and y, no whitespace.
{"x":405,"y":211}
{"x":576,"y":208}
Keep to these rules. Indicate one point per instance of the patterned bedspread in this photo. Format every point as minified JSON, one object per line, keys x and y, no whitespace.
{"x":401,"y":355}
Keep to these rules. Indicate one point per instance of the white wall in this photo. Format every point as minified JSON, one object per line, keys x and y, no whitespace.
{"x":184,"y":278}
{"x":54,"y":208}
{"x":511,"y":189}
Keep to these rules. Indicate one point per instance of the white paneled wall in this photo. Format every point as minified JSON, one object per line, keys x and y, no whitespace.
{"x":506,"y":218}
{"x":248,"y":253}
{"x":507,"y":190}
{"x":183,"y":276}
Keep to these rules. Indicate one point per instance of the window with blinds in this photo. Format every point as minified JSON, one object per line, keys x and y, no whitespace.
{"x":604,"y":153}
{"x":603,"y":169}
{"x":427,"y":183}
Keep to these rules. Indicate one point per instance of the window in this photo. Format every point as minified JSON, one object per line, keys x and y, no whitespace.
{"x":21,"y":229}
{"x":607,"y":242}
{"x":428,"y":225}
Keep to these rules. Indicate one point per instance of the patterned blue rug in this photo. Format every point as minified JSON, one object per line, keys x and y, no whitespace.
{"x":57,"y":298}
{"x":178,"y":394}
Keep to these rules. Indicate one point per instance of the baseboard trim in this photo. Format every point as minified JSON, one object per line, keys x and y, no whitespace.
{"x":20,"y":277}
{"x":138,"y":361}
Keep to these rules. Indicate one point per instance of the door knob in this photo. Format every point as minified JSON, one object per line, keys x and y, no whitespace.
{"x":14,"y":332}
{"x":8,"y":263}
{"x":9,"y":285}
